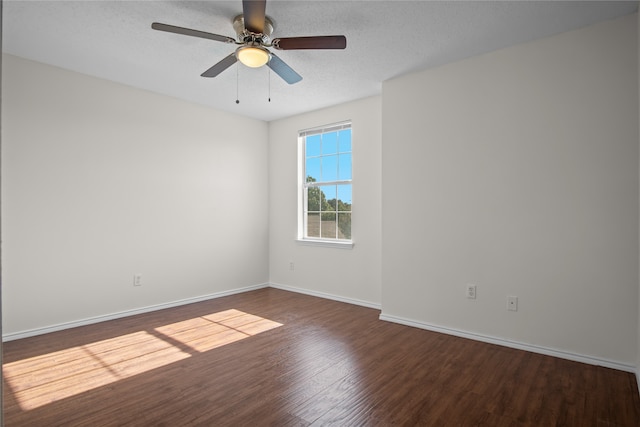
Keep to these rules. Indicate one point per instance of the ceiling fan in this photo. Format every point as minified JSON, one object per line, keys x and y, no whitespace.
{"x":253,"y":29}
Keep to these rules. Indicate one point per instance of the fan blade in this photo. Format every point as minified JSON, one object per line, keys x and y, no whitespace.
{"x":220,"y":66}
{"x":190,"y":32}
{"x":283,"y":70}
{"x":253,"y":12}
{"x":318,"y":42}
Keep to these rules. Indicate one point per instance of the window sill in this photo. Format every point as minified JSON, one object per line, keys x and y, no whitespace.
{"x":326,"y":243}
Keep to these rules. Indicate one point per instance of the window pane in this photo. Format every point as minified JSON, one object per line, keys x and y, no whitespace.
{"x":329,"y":168}
{"x":313,"y":169}
{"x":328,"y":225}
{"x":330,"y":143}
{"x":313,"y":199}
{"x":327,"y":176}
{"x":344,"y":166}
{"x":328,"y":201}
{"x":313,"y":225}
{"x":312,"y":145}
{"x":344,"y":225}
{"x":344,"y":197}
{"x":344,"y":138}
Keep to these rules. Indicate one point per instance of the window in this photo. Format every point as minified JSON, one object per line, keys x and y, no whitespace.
{"x":326,"y":184}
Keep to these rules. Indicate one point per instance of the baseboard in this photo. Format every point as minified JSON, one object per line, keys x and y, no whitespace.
{"x":389,"y":318}
{"x":97,"y":319}
{"x":326,"y":296}
{"x":514,"y":344}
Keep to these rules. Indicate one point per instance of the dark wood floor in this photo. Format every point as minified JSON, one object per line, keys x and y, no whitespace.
{"x":275,"y":358}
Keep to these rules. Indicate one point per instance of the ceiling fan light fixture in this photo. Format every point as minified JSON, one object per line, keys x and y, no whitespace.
{"x":253,"y":56}
{"x":253,"y":34}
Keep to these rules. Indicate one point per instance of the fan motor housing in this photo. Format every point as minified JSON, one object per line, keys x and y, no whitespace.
{"x":243,"y":34}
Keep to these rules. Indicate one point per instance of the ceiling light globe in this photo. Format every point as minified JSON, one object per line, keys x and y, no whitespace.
{"x":252,"y":56}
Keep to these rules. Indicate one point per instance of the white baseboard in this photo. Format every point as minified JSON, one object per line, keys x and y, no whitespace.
{"x":514,"y":344}
{"x":67,"y":325}
{"x":390,"y":318}
{"x":326,"y":296}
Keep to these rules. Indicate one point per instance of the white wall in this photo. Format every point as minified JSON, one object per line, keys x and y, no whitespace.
{"x":102,"y":181}
{"x":351,"y":275}
{"x":518,"y":171}
{"x":1,"y":352}
{"x":638,"y":330}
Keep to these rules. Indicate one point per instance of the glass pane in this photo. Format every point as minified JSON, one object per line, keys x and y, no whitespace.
{"x":344,"y":166}
{"x":328,"y":225}
{"x":329,"y":168}
{"x":330,"y":143}
{"x":344,"y":138}
{"x":312,"y":145}
{"x":328,"y":198}
{"x":313,"y":225}
{"x":313,"y":199}
{"x":344,"y":225}
{"x":344,"y":197}
{"x":312,"y":169}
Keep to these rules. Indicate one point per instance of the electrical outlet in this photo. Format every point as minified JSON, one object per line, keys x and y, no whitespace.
{"x":137,"y":280}
{"x":512,"y":303}
{"x":292,"y":266}
{"x":471,"y":291}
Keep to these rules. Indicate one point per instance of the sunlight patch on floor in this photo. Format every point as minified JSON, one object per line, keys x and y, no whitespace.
{"x":51,"y":377}
{"x":217,"y":329}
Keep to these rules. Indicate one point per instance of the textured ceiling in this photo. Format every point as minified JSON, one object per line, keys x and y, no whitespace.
{"x":385,"y":39}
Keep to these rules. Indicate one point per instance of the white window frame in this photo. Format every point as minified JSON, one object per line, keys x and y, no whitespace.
{"x":303,"y":185}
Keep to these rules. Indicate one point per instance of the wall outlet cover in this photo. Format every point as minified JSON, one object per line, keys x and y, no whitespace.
{"x":471,"y":291}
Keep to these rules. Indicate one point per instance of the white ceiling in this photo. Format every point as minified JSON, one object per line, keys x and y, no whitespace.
{"x":385,"y":39}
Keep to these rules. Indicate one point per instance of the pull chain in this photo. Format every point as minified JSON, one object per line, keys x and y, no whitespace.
{"x":269,"y":77}
{"x":237,"y":78}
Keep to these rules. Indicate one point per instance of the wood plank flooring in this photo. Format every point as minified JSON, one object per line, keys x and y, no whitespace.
{"x":276,"y":358}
